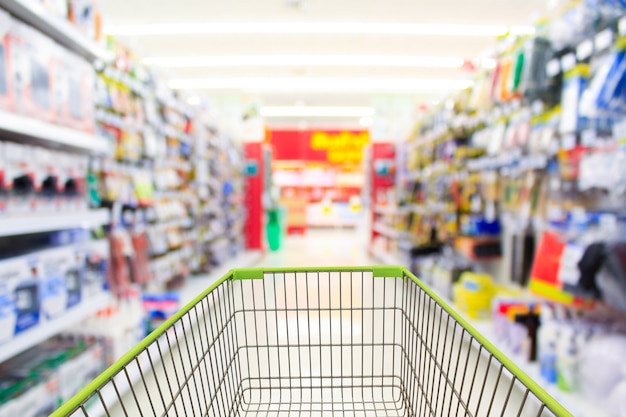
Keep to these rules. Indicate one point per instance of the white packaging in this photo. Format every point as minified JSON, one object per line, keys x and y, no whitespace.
{"x":55,"y":264}
{"x":77,"y":372}
{"x":39,"y":400}
{"x":19,"y":286}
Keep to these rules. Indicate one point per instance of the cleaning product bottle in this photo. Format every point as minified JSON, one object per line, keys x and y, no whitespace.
{"x":567,"y":361}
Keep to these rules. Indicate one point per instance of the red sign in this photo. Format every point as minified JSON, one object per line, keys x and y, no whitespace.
{"x":333,"y":146}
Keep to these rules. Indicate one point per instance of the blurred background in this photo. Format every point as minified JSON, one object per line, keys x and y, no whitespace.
{"x":147,"y":147}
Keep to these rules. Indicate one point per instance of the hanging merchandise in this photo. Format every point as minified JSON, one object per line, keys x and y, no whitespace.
{"x":575,"y":82}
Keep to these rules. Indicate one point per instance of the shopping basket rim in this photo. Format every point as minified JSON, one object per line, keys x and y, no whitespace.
{"x":379,"y":271}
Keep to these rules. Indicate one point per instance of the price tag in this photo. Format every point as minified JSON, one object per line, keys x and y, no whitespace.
{"x":568,"y":62}
{"x":553,"y":67}
{"x":584,"y":50}
{"x":604,"y":39}
{"x":568,"y":141}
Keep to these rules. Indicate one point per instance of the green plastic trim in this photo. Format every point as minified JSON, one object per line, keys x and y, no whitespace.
{"x":388,"y":271}
{"x":378,"y":271}
{"x":247,"y":273}
{"x":530,"y":383}
{"x":84,"y":394}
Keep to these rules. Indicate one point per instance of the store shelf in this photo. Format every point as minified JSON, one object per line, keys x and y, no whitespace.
{"x":578,"y":405}
{"x":385,"y":231}
{"x":47,"y":329}
{"x":13,"y":225}
{"x":18,"y":127}
{"x":194,"y":287}
{"x":385,"y":209}
{"x":384,"y":256}
{"x":59,"y":29}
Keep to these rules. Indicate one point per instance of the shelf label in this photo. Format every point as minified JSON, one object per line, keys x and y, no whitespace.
{"x":604,"y":39}
{"x":568,"y":62}
{"x":553,"y":67}
{"x":584,"y":50}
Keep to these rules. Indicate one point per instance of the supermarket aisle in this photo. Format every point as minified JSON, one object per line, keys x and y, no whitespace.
{"x":321,"y":247}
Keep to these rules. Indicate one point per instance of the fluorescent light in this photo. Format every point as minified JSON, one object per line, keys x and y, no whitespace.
{"x":366,"y":121}
{"x":292,"y":84}
{"x":304,"y":60}
{"x":316,"y":111}
{"x":349,"y":28}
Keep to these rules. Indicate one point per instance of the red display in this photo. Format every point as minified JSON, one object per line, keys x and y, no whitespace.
{"x":254,"y":194}
{"x":332,"y":146}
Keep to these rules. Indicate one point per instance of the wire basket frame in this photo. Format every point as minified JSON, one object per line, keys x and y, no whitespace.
{"x":315,"y":342}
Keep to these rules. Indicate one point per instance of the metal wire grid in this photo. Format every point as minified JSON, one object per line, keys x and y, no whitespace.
{"x":319,"y":343}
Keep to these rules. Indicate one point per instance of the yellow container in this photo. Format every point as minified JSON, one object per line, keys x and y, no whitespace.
{"x":473,"y":294}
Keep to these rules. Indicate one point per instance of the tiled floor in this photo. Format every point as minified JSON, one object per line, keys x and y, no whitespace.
{"x":322,"y":247}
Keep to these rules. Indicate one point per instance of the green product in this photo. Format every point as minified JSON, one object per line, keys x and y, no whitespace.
{"x":274,"y":231}
{"x":517,"y":74}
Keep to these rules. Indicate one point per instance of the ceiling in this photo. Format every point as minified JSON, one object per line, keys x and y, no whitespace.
{"x":397,"y":12}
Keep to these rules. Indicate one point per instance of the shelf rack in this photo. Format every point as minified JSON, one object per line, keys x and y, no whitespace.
{"x":47,"y":329}
{"x":18,"y":127}
{"x":13,"y":225}
{"x":57,"y":28}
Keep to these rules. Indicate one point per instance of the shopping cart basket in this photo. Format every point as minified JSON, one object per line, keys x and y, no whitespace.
{"x":355,"y":341}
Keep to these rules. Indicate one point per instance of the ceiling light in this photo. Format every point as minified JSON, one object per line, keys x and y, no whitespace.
{"x":316,"y":111}
{"x":305,"y":60}
{"x":366,"y":121}
{"x":293,"y":84}
{"x":322,"y":28}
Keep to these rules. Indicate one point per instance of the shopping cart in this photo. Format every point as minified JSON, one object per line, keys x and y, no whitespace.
{"x":356,"y":341}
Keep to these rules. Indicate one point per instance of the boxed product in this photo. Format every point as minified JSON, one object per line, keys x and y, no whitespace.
{"x":47,"y":187}
{"x":19,"y":287}
{"x":6,"y":85}
{"x":3,"y":180}
{"x":73,"y":172}
{"x":31,"y":63}
{"x":86,"y":16}
{"x":55,"y":275}
{"x":71,"y":363}
{"x":95,"y":262}
{"x":19,"y":173}
{"x":74,"y":95}
{"x":28,"y":397}
{"x":78,"y":370}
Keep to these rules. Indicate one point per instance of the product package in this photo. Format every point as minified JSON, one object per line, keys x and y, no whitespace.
{"x":32,"y":63}
{"x":19,"y":288}
{"x":6,"y":81}
{"x":34,"y":396}
{"x":74,"y":91}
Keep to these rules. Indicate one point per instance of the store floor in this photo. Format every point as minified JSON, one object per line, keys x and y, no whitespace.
{"x":321,"y":247}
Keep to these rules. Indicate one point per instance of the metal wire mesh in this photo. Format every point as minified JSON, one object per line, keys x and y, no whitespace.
{"x":325,"y":343}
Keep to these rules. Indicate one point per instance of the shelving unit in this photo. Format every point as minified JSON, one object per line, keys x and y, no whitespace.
{"x":58,"y":29}
{"x":47,"y":329}
{"x":13,"y":225}
{"x":17,"y":127}
{"x":386,"y":231}
{"x":189,"y":292}
{"x":576,"y":404}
